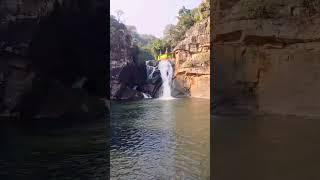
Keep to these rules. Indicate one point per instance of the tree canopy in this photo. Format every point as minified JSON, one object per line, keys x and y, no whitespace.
{"x":186,"y":19}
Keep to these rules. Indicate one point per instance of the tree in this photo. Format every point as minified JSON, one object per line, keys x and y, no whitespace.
{"x":119,"y":13}
{"x":145,"y":54}
{"x":204,"y":10}
{"x":185,"y":19}
{"x":175,"y":33}
{"x":158,"y":46}
{"x":171,"y":35}
{"x":131,"y":28}
{"x":169,"y":30}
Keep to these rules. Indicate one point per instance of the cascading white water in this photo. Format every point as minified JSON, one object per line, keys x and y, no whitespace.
{"x":150,"y":70}
{"x":166,"y":71}
{"x":146,"y":96}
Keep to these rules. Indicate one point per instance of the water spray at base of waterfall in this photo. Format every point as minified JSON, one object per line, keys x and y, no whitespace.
{"x":146,"y":96}
{"x":166,"y":71}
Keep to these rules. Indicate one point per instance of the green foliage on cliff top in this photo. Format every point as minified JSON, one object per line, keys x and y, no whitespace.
{"x":202,"y":12}
{"x":151,"y":46}
{"x":145,"y":54}
{"x":140,"y":43}
{"x":186,"y":19}
{"x":173,"y":34}
{"x":144,"y":42}
{"x":141,"y":40}
{"x":159,"y":45}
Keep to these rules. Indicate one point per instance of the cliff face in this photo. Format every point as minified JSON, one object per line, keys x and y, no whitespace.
{"x":128,"y":75}
{"x":268,"y":56}
{"x":52,"y":58}
{"x":192,"y":65}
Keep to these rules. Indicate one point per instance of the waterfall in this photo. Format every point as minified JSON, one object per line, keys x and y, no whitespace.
{"x":146,"y":96}
{"x":166,"y":71}
{"x":150,"y":70}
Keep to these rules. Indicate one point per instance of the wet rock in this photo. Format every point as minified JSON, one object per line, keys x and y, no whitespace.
{"x":179,"y":91}
{"x":153,"y":88}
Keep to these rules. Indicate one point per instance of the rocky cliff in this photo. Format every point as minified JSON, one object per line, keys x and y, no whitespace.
{"x":192,"y":65}
{"x":53,"y":60}
{"x":267,"y":55}
{"x":128,"y":75}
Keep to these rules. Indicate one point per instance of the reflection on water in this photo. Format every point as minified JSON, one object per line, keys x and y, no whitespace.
{"x":157,"y":139}
{"x":266,"y":148}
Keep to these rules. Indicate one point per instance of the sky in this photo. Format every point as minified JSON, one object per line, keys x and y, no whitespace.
{"x":150,"y":16}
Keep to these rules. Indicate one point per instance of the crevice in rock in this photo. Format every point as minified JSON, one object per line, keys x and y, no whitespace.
{"x":229,"y":37}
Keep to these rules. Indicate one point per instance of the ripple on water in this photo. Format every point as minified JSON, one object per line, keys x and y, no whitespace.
{"x":160,"y":139}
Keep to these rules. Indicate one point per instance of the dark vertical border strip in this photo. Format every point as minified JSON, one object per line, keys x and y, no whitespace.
{"x":211,"y":85}
{"x":108,"y":120}
{"x":213,"y":18}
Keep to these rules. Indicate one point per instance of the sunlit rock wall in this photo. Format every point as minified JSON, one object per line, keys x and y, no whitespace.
{"x":192,"y":64}
{"x":268,"y":63}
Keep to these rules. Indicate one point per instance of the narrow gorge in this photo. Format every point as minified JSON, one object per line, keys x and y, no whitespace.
{"x":160,"y":94}
{"x":131,"y":79}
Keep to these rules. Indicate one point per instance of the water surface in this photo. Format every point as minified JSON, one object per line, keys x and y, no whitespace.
{"x":160,"y":139}
{"x":54,"y":149}
{"x":266,"y":147}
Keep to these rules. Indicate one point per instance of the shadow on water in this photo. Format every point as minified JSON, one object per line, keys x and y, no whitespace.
{"x":266,"y":147}
{"x":53,"y":149}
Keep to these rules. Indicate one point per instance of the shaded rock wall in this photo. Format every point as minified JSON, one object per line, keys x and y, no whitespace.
{"x":128,"y":75}
{"x":192,"y":65}
{"x":269,"y":64}
{"x":46,"y":48}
